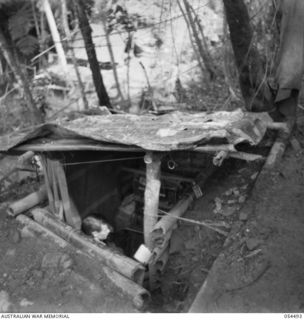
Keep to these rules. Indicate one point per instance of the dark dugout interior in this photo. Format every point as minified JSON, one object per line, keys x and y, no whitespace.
{"x":110,"y":186}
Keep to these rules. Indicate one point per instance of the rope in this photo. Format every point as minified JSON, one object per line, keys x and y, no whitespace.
{"x":200,"y":223}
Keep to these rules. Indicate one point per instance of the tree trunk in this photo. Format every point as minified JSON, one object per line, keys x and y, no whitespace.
{"x":42,"y":41}
{"x":86,"y":32}
{"x":198,"y":41}
{"x":198,"y":57}
{"x":252,"y":78}
{"x":69,"y":38}
{"x":109,"y":45}
{"x":21,"y":79}
{"x":208,"y":56}
{"x":55,"y":35}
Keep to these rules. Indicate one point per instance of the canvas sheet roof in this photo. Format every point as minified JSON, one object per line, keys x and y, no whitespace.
{"x":174,"y":131}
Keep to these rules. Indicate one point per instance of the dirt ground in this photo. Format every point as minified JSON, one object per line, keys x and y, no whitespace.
{"x":37,"y":275}
{"x":258,"y":268}
{"x":261,"y":266}
{"x":194,"y":248}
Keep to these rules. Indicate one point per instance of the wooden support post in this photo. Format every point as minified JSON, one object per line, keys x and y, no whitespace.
{"x":152,"y":191}
{"x":159,"y":260}
{"x":162,"y":261}
{"x":153,"y":170}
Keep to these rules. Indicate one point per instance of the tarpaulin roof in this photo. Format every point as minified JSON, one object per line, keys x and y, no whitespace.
{"x":174,"y":131}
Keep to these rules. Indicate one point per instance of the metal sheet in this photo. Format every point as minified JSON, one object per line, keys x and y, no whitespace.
{"x":174,"y":131}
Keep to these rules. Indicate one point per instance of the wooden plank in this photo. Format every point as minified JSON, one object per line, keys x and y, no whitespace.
{"x":47,"y":182}
{"x":71,"y":214}
{"x":58,"y":207}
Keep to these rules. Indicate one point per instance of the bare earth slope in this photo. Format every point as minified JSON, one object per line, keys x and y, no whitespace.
{"x":261,"y":268}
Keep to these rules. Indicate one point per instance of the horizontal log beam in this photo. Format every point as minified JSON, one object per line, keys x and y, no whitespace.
{"x":28,"y":202}
{"x":118,"y":262}
{"x":140,"y":296}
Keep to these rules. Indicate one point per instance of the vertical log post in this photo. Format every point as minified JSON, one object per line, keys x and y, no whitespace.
{"x":152,"y":190}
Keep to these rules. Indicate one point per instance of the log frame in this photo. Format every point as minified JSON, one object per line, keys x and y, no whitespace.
{"x":140,"y":296}
{"x":118,"y":262}
{"x":27,"y":202}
